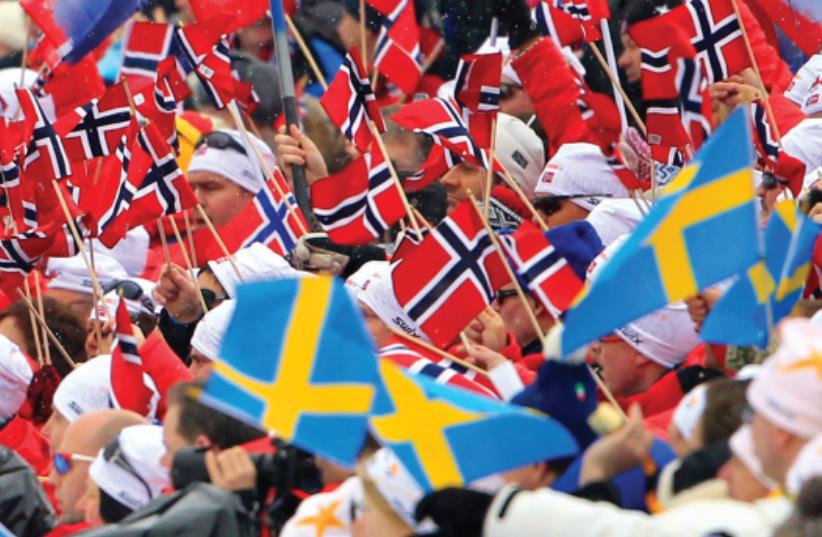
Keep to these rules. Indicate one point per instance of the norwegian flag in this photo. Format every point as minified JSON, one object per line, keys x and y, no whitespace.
{"x":128,"y":389}
{"x":360,"y":203}
{"x":441,"y":119}
{"x":206,"y":47}
{"x":18,"y":255}
{"x":439,"y":161}
{"x":242,"y":12}
{"x":350,"y":102}
{"x":96,"y":128}
{"x":788,"y":169}
{"x":45,"y":157}
{"x":22,"y":210}
{"x":589,"y":13}
{"x":477,"y":91}
{"x":548,"y":275}
{"x":397,"y":51}
{"x":694,"y":101}
{"x":450,"y":277}
{"x":146,"y":45}
{"x":563,"y":29}
{"x":413,"y":361}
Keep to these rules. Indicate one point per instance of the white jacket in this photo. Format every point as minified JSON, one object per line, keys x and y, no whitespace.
{"x":547,"y":512}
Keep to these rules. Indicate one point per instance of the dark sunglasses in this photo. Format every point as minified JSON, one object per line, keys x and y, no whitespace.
{"x":221,"y":140}
{"x":505,"y":294}
{"x":211,"y":298}
{"x":113,"y":454}
{"x":552,"y":204}
{"x":131,"y":291}
{"x":61,"y":461}
{"x":508,"y":90}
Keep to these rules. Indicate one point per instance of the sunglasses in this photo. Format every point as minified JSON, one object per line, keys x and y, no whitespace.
{"x":508,"y":90}
{"x":113,"y":454}
{"x":552,"y":204}
{"x":505,"y":294}
{"x":61,"y":462}
{"x":221,"y":140}
{"x":211,"y":298}
{"x":131,"y":291}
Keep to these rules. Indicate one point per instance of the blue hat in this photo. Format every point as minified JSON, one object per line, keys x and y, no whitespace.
{"x":578,"y":242}
{"x":567,"y":393}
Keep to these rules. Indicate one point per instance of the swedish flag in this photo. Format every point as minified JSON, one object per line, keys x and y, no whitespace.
{"x":446,"y":436}
{"x":702,"y":230}
{"x":766,"y":292}
{"x":297,"y":361}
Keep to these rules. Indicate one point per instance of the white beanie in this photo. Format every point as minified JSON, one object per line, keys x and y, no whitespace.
{"x":372,"y":286}
{"x":803,"y":142}
{"x":71,"y":273}
{"x":242,"y":170}
{"x":209,"y":332}
{"x":741,"y":444}
{"x":15,"y":376}
{"x":580,"y":168}
{"x":788,"y":390}
{"x":142,"y":447}
{"x":520,"y":151}
{"x":614,"y":217}
{"x":336,"y":505}
{"x":88,"y":388}
{"x":397,"y":487}
{"x":257,"y":262}
{"x":808,"y":464}
{"x":689,"y":411}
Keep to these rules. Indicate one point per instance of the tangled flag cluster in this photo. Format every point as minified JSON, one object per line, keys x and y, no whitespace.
{"x":395,"y":267}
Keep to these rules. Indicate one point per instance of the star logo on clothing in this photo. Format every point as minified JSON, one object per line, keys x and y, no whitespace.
{"x":324,"y":519}
{"x":814,"y":361}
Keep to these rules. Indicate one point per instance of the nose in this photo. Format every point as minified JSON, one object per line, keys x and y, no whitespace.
{"x":623,"y":60}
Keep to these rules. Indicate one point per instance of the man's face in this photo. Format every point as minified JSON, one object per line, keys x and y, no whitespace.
{"x":764,"y":435}
{"x":171,"y":438}
{"x":378,"y":329}
{"x":630,"y":59}
{"x":201,"y":365}
{"x":513,"y":100}
{"x":618,"y":363}
{"x":459,"y":180}
{"x":743,"y":486}
{"x":558,"y":212}
{"x":513,"y":313}
{"x":55,"y":429}
{"x":221,"y":199}
{"x":70,"y":487}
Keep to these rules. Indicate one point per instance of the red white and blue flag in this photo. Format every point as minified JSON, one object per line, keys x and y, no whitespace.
{"x":450,"y":277}
{"x":563,"y":29}
{"x":477,"y":91}
{"x":45,"y":157}
{"x":397,"y":51}
{"x":96,"y":128}
{"x":128,"y":388}
{"x":360,"y":203}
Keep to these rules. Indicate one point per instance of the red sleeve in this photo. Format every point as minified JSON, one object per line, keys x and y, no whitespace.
{"x":21,"y":436}
{"x":525,"y":375}
{"x":663,"y":395}
{"x":512,"y":350}
{"x":163,"y":366}
{"x":552,"y":87}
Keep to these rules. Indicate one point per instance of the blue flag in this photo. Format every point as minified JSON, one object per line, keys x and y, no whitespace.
{"x":298,"y":361}
{"x":446,"y":436}
{"x":766,"y":292}
{"x":87,"y":23}
{"x":701,"y":231}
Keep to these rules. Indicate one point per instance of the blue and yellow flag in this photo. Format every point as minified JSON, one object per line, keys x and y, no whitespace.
{"x":446,"y":436}
{"x":766,"y":292}
{"x":701,"y":231}
{"x":298,"y":361}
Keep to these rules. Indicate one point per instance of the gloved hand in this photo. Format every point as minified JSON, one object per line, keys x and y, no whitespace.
{"x":456,"y":512}
{"x":514,"y":21}
{"x":692,"y":376}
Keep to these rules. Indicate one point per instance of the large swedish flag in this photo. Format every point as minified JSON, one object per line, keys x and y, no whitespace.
{"x":767,"y":291}
{"x":297,"y":361}
{"x":446,"y":436}
{"x":702,"y":230}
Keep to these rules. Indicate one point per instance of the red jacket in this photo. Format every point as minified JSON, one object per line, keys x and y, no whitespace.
{"x":22,"y":436}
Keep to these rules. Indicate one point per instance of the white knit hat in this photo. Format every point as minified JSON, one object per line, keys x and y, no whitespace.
{"x":520,"y":150}
{"x":372,"y":286}
{"x":257,"y":262}
{"x":242,"y":170}
{"x":15,"y":376}
{"x":142,"y":447}
{"x":741,"y":444}
{"x":580,"y":168}
{"x":614,"y":217}
{"x":210,"y":331}
{"x":689,"y":411}
{"x":88,"y":388}
{"x":788,"y":390}
{"x":397,"y":487}
{"x":71,"y":273}
{"x":808,"y":464}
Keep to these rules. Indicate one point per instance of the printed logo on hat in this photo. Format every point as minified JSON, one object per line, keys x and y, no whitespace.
{"x":631,"y":334}
{"x":520,"y":159}
{"x":550,"y":171}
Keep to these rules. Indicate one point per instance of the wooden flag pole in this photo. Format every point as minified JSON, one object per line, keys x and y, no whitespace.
{"x":393,"y":172}
{"x":512,"y":183}
{"x":618,"y":87}
{"x":363,"y":42}
{"x":164,"y":241}
{"x":35,"y":328}
{"x":219,"y":240}
{"x":48,"y":331}
{"x":509,"y":271}
{"x":765,"y":100}
{"x":318,"y":74}
{"x":489,"y":173}
{"x":189,"y":265}
{"x":234,"y":111}
{"x":98,"y":301}
{"x":39,"y":294}
{"x":436,"y":350}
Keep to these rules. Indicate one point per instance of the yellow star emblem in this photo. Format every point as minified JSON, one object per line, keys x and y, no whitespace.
{"x":814,"y":360}
{"x":324,"y":519}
